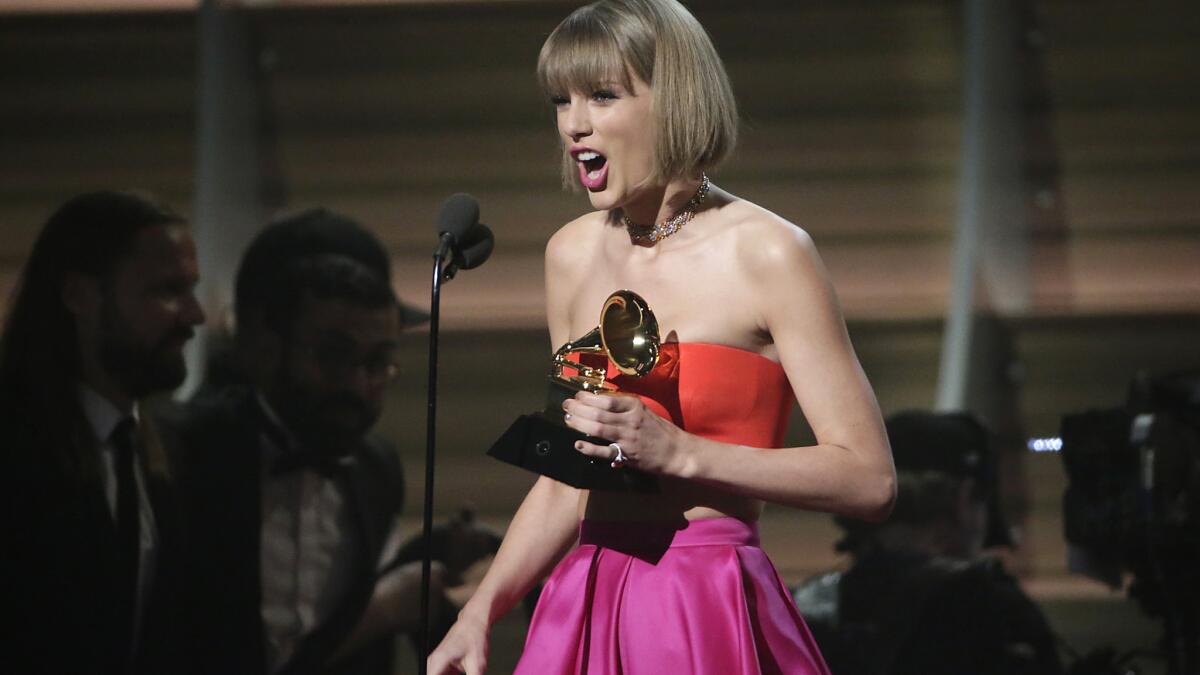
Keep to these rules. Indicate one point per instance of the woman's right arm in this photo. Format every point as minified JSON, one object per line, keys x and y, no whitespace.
{"x":544,"y":527}
{"x":542,"y":531}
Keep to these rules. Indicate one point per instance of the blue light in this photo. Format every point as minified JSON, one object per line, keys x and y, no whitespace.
{"x":1050,"y":444}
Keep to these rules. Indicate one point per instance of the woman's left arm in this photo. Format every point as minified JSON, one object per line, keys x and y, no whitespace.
{"x":848,"y":471}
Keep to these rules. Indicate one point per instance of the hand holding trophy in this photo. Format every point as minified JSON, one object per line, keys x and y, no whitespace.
{"x":627,"y":335}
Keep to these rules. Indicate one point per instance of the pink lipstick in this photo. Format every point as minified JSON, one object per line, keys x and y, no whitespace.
{"x":593,"y":168}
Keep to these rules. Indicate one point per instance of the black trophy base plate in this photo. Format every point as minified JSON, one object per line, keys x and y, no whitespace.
{"x":544,"y":447}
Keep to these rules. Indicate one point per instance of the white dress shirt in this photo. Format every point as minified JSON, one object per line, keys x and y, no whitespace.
{"x":308,"y":549}
{"x":103,"y":417}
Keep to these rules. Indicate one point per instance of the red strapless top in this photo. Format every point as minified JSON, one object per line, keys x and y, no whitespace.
{"x":718,"y":392}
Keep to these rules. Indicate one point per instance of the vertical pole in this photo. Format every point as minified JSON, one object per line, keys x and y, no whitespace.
{"x":989,"y":268}
{"x":430,"y":447}
{"x":229,"y":183}
{"x":956,"y":337}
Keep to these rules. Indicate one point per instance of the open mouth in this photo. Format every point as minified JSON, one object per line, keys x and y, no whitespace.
{"x":593,"y":169}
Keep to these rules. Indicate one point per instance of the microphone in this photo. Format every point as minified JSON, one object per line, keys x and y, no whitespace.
{"x":475,"y":248}
{"x":468,"y":243}
{"x":459,"y":215}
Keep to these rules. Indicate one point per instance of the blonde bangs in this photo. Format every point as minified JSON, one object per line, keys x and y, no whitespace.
{"x":581,"y":55}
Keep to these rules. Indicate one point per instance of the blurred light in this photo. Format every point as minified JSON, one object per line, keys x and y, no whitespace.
{"x":1050,"y":444}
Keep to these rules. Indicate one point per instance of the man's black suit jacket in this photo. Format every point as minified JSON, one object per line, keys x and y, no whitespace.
{"x":59,"y":569}
{"x":217,"y":442}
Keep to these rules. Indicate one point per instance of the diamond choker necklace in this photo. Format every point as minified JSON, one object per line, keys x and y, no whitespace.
{"x":650,"y":234}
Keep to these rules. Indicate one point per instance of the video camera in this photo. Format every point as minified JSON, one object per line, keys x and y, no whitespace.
{"x":1132,"y":503}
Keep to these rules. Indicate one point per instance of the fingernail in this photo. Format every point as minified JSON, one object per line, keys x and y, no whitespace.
{"x":578,"y":445}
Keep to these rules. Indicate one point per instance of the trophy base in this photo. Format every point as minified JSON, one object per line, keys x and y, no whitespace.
{"x":537,"y":444}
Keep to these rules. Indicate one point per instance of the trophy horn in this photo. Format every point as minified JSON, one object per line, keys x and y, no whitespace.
{"x":629,"y":333}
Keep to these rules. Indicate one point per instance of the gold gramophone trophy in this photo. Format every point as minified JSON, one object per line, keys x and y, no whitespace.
{"x":542,"y":442}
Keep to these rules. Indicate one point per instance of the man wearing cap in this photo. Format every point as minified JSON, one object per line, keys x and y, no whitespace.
{"x":919,"y":597}
{"x":291,"y":503}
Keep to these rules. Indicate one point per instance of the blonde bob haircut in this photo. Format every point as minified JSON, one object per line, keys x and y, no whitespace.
{"x":663,"y":45}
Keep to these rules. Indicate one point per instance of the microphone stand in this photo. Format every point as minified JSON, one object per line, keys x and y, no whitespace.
{"x":439,"y":274}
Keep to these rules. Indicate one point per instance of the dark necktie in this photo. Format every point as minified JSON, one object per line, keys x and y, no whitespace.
{"x":123,"y":440}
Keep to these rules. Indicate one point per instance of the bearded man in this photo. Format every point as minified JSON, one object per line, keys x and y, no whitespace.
{"x":103,"y":308}
{"x":291,"y":503}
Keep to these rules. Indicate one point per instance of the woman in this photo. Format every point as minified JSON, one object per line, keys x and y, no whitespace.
{"x":674,"y":582}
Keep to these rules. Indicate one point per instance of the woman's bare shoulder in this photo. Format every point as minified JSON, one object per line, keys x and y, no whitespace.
{"x":567,"y":263}
{"x":767,"y":242}
{"x":575,"y":241}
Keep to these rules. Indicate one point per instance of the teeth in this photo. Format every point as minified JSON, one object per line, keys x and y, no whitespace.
{"x":587,"y":156}
{"x":593,"y":175}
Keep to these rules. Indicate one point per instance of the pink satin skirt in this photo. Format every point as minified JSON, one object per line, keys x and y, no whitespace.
{"x":646,"y":599}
